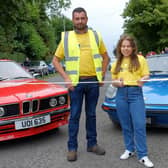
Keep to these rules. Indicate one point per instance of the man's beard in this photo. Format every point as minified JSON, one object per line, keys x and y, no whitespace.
{"x":83,"y":27}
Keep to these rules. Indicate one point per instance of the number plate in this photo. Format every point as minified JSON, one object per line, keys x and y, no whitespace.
{"x":32,"y":122}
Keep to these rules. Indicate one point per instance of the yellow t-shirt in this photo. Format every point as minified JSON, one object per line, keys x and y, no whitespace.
{"x":131,"y":78}
{"x":87,"y":67}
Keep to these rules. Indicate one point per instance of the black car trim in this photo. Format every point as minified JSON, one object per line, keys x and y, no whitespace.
{"x":2,"y":123}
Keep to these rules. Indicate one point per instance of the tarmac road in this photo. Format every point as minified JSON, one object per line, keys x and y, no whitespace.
{"x":48,"y":150}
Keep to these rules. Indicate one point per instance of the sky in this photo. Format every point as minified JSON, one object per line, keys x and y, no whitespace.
{"x":103,"y":16}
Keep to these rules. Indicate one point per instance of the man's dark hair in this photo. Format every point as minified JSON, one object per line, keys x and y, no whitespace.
{"x":79,"y":10}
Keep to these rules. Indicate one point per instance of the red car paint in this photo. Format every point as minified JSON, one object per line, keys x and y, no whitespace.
{"x":29,"y":106}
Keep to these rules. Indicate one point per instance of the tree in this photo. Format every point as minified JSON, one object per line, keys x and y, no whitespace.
{"x":60,"y":23}
{"x":147,"y":21}
{"x":56,"y":6}
{"x":26,"y":29}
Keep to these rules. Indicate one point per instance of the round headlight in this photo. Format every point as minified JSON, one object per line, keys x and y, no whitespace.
{"x":61,"y":100}
{"x":2,"y":111}
{"x":53,"y":102}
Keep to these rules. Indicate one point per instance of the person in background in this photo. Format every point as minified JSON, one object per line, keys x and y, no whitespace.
{"x":162,"y":52}
{"x":166,"y":50}
{"x":86,"y":61}
{"x":128,"y":73}
{"x":27,"y":62}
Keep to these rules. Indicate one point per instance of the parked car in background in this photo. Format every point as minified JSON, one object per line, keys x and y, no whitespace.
{"x":51,"y":68}
{"x":155,"y":94}
{"x":29,"y":106}
{"x":26,"y":68}
{"x":38,"y":67}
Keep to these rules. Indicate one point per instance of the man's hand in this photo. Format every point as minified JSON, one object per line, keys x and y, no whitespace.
{"x":68,"y":84}
{"x":102,"y":82}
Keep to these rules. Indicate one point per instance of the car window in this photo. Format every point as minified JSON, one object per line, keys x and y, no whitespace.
{"x":11,"y":70}
{"x":42,"y":63}
{"x":158,"y":63}
{"x":35,"y":63}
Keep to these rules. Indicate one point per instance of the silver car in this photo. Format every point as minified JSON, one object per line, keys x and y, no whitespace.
{"x":39,"y":67}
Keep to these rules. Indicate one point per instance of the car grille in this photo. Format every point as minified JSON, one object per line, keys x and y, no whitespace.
{"x":10,"y":110}
{"x":30,"y":106}
{"x":42,"y":104}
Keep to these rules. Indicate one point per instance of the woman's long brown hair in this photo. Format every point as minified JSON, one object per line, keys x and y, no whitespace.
{"x":134,"y":62}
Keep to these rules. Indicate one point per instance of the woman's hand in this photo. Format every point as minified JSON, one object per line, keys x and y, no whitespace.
{"x":118,"y":82}
{"x":142,"y":80}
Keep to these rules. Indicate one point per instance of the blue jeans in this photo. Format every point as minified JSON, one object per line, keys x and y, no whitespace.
{"x":89,"y":91}
{"x":131,"y":113}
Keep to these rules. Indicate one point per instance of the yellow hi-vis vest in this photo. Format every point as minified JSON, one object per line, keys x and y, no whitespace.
{"x":72,"y":54}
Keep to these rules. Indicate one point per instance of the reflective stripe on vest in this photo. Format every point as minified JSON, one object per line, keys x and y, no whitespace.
{"x":96,"y":37}
{"x":66,"y":44}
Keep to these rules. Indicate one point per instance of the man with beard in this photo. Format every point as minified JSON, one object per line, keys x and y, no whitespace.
{"x":86,"y":61}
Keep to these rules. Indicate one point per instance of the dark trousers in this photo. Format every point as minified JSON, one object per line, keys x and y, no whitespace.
{"x":90,"y":93}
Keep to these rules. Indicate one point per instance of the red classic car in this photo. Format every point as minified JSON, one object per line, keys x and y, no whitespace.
{"x":29,"y":106}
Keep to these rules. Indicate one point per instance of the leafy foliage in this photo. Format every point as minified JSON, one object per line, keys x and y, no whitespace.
{"x":147,"y":20}
{"x":60,"y":23}
{"x":27,"y":30}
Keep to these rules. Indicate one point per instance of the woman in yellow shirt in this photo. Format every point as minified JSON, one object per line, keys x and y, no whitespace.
{"x":128,"y":73}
